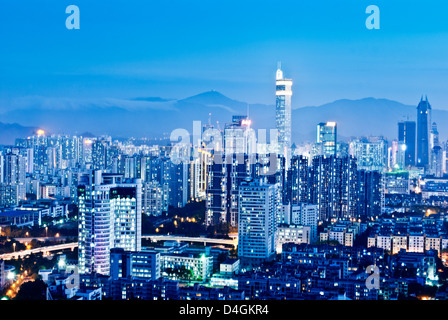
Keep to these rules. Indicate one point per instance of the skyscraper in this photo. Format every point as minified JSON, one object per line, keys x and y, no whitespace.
{"x":283,"y":94}
{"x":296,"y":189}
{"x":327,"y":138}
{"x":406,"y":137}
{"x":434,"y":136}
{"x":239,"y":137}
{"x":370,"y":153}
{"x":225,"y":177}
{"x":333,"y":186}
{"x":370,"y":194}
{"x":13,"y":171}
{"x":109,"y":217}
{"x":258,"y":207}
{"x":436,"y":155}
{"x":423,"y":127}
{"x":436,"y":167}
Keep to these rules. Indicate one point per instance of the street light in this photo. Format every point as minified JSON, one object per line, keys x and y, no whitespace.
{"x":46,"y":231}
{"x":14,"y":245}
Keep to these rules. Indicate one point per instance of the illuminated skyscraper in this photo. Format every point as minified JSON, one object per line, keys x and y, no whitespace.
{"x":283,"y":94}
{"x":370,"y":153}
{"x":434,"y":136}
{"x":259,"y":206}
{"x":333,"y":186}
{"x":109,"y":217}
{"x":13,"y":171}
{"x":423,"y":127}
{"x":327,"y":138}
{"x":407,"y":140}
{"x":239,"y":137}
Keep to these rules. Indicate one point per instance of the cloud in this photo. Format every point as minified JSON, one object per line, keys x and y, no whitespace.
{"x":62,"y":103}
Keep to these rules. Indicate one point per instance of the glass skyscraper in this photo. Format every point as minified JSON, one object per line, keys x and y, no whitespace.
{"x":109,"y":217}
{"x":327,"y":138}
{"x":423,"y":127}
{"x":406,"y":137}
{"x":283,"y":93}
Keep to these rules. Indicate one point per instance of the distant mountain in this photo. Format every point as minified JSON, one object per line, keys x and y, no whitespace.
{"x":364,"y":117}
{"x":10,"y":131}
{"x":154,"y":117}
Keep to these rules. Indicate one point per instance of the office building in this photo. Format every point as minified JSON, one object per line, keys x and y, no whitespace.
{"x":239,"y":137}
{"x":423,"y":128}
{"x":110,"y":210}
{"x":327,"y":138}
{"x":144,"y":264}
{"x":283,"y":93}
{"x":370,"y":153}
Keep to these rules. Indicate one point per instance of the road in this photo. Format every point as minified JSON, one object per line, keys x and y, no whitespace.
{"x":43,"y":239}
{"x":58,"y":247}
{"x":47,"y":249}
{"x":157,"y":237}
{"x":14,"y":288}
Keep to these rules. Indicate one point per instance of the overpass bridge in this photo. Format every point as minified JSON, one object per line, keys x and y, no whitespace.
{"x":45,"y":250}
{"x":156,"y":237}
{"x":64,"y":246}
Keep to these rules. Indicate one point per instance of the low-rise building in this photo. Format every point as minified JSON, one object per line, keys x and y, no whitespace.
{"x":294,"y":234}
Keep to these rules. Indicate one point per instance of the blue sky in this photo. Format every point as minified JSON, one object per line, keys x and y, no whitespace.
{"x":178,"y":48}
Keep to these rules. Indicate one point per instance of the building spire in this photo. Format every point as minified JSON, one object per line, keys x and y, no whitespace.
{"x":279,"y":74}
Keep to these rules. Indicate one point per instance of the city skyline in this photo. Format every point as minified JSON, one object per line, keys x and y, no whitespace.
{"x":152,"y":151}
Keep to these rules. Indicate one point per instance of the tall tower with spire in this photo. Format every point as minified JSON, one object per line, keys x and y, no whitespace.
{"x":423,"y":130}
{"x":283,"y":93}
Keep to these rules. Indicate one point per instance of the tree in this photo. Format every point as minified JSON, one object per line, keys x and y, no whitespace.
{"x":181,"y":273}
{"x":32,"y":290}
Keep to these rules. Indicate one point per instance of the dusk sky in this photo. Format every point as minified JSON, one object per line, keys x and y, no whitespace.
{"x":178,"y":48}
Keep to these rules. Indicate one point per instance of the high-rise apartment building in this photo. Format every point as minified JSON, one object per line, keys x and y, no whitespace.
{"x":258,"y":208}
{"x":225,"y":177}
{"x":333,"y":186}
{"x":296,"y":189}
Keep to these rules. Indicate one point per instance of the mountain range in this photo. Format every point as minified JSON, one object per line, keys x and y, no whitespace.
{"x":154,"y":116}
